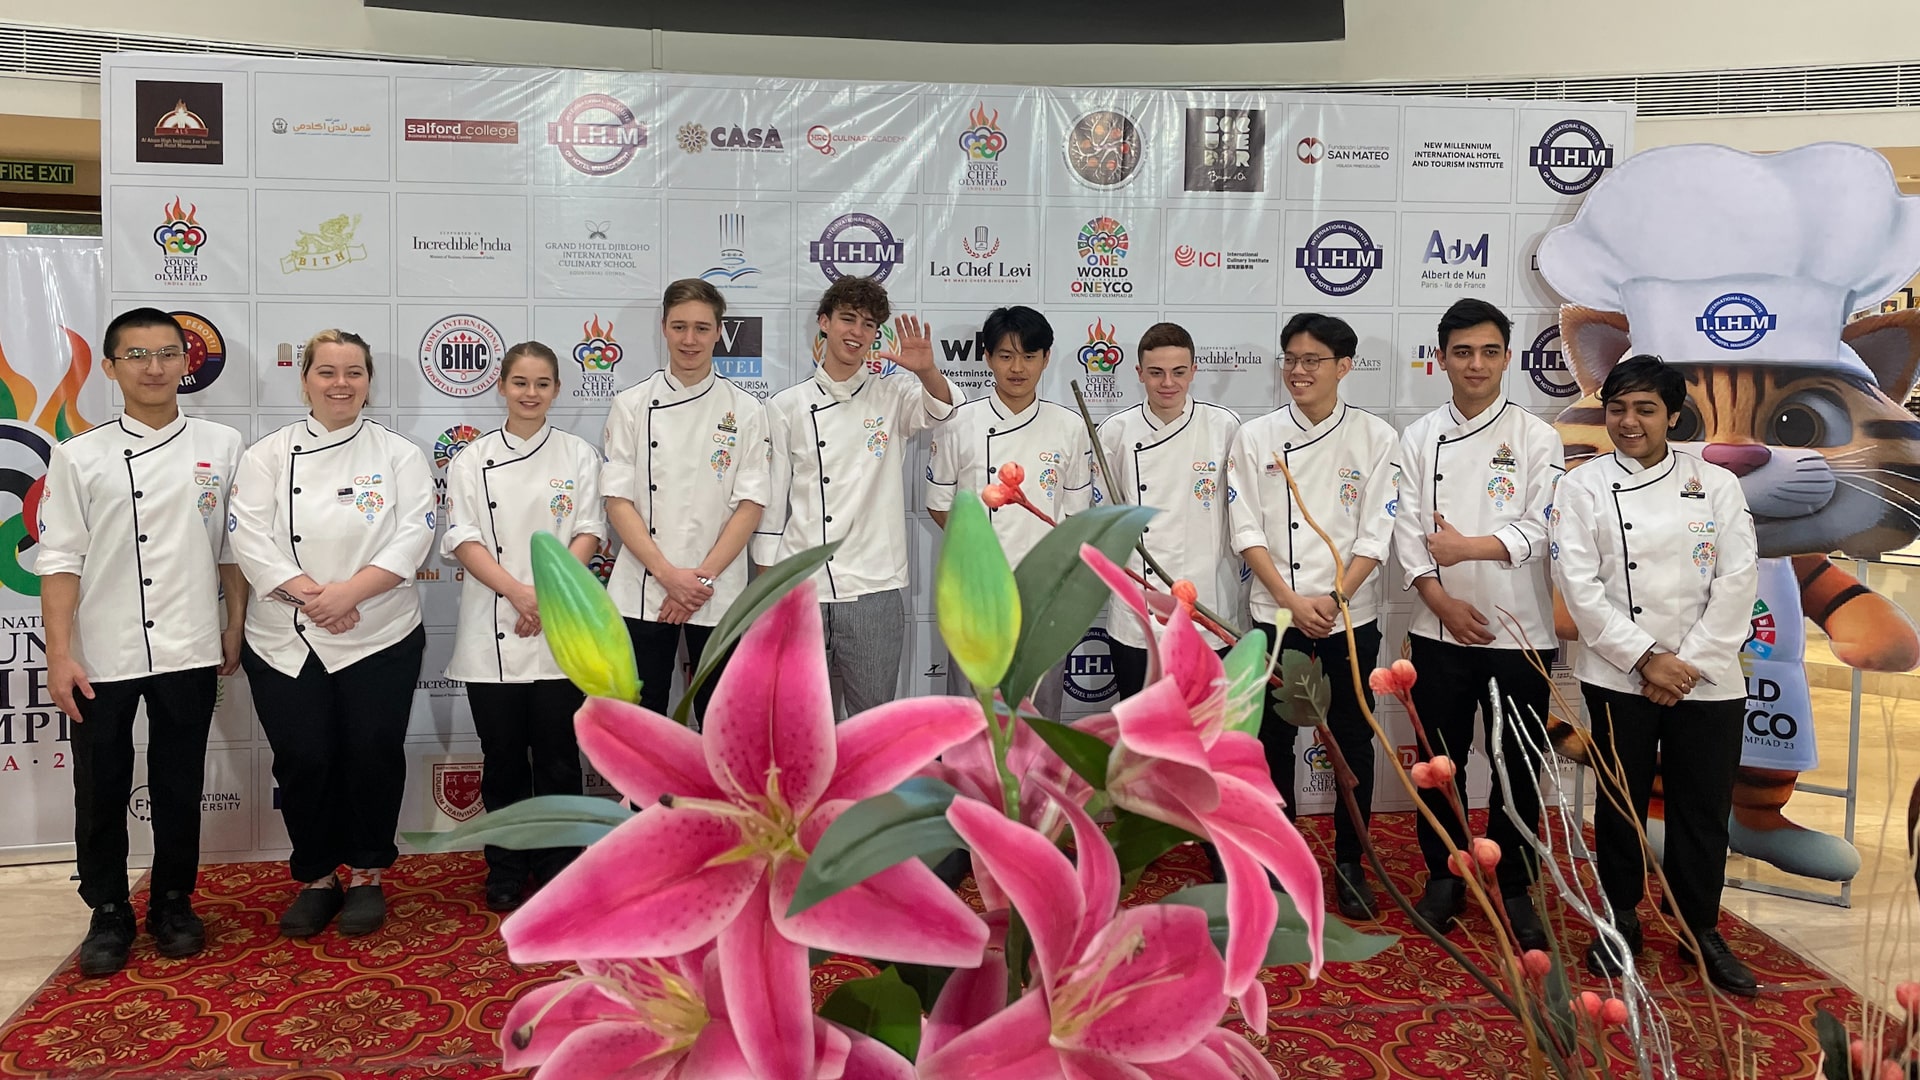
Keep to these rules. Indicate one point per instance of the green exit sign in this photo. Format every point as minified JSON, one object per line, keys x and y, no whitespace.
{"x":35,"y":172}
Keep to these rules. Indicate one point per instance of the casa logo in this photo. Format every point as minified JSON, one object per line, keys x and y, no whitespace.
{"x":1544,"y":364}
{"x":460,"y":355}
{"x":856,"y":240}
{"x":1188,"y":257}
{"x":598,"y":134}
{"x":1736,"y":321}
{"x":598,"y":254}
{"x":733,"y":265}
{"x":1339,"y":258}
{"x":493,"y":132}
{"x":1312,"y":151}
{"x":180,"y":237}
{"x":694,"y":138}
{"x":1226,"y":150}
{"x":329,"y":126}
{"x":1089,"y":668}
{"x":329,"y":247}
{"x":740,"y":356}
{"x":1102,"y":250}
{"x":187,"y":122}
{"x":451,"y":441}
{"x":456,"y":789}
{"x":877,"y":364}
{"x":1104,"y":148}
{"x":980,"y":266}
{"x":827,"y":142}
{"x":206,"y":351}
{"x":983,"y":142}
{"x":1571,"y":156}
{"x":597,"y":353}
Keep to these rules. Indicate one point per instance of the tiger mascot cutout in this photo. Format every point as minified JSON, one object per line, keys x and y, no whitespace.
{"x":1742,"y":270}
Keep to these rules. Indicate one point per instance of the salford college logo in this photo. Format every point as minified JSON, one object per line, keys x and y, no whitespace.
{"x":733,"y":265}
{"x":1571,"y":156}
{"x":597,"y":134}
{"x":1102,"y":250}
{"x":206,"y":351}
{"x":983,"y":142}
{"x":498,"y":132}
{"x":461,"y":354}
{"x":186,"y":118}
{"x":1226,"y":150}
{"x":1104,"y":148}
{"x":1339,"y":258}
{"x":1544,"y":365}
{"x":1736,"y":321}
{"x":856,"y":240}
{"x":180,"y":237}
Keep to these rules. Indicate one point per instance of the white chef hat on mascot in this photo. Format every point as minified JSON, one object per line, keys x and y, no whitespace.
{"x":1718,"y":255}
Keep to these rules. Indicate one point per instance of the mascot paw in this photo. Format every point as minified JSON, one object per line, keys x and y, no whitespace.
{"x":1796,"y":850}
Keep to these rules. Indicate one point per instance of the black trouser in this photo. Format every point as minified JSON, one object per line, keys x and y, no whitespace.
{"x":526,"y":733}
{"x":1452,"y":682}
{"x":1345,"y":722}
{"x":179,"y":712}
{"x":656,"y":645}
{"x":1703,"y":739}
{"x":1129,"y":669}
{"x":338,"y":753}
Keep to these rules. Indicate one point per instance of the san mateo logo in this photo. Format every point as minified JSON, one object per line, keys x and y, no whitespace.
{"x":835,"y":251}
{"x":461,"y":354}
{"x":180,"y":237}
{"x":733,"y":255}
{"x":206,"y":351}
{"x":1104,"y":148}
{"x":1102,"y":250}
{"x":1736,"y":321}
{"x":1339,"y":258}
{"x":1544,"y":364}
{"x":1571,"y":156}
{"x":597,"y":134}
{"x":328,"y":248}
{"x":597,"y":353}
{"x":983,"y":142}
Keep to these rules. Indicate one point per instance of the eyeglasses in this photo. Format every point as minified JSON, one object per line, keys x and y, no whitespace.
{"x":1308,"y":364}
{"x":166,"y":356}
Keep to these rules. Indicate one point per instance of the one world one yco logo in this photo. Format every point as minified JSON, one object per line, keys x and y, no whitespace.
{"x":1571,"y":157}
{"x":1544,"y":364}
{"x":1101,"y":249}
{"x":1736,"y":321}
{"x":856,"y":240}
{"x":1339,"y":258}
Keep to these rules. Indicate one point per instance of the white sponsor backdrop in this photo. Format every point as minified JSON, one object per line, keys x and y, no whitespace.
{"x":413,"y":204}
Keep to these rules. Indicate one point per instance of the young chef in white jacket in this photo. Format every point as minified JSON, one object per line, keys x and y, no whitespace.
{"x":836,"y":476}
{"x":523,"y":478}
{"x":132,"y":565}
{"x":1169,"y":452}
{"x":1342,"y":460}
{"x":1012,"y":424}
{"x":685,"y":480}
{"x":1476,"y":479}
{"x":331,"y":517}
{"x":1653,"y":550}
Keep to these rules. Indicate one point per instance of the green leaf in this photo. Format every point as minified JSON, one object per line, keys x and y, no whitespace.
{"x":880,"y":1006}
{"x":975,"y":598}
{"x":1083,"y":753}
{"x":926,"y":980}
{"x":1138,"y":840}
{"x":1060,"y":594}
{"x":1303,"y":701}
{"x":874,"y":834}
{"x":542,"y":821}
{"x":761,"y":593}
{"x":1246,"y":667}
{"x":1833,"y":1041}
{"x":1342,"y":943}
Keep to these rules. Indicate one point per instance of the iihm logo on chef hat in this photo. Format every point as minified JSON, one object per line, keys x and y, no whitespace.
{"x":460,"y":355}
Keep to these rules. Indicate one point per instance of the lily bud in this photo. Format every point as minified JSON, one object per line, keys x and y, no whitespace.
{"x":584,"y":630}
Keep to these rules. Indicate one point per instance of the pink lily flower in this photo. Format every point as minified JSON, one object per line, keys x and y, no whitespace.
{"x":655,"y":1019}
{"x":1175,"y":760}
{"x":1123,"y":993}
{"x":732,"y":815}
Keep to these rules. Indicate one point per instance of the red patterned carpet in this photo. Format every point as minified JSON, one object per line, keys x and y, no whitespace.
{"x":423,"y":997}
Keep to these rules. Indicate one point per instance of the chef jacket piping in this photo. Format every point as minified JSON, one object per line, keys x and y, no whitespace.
{"x":1287,"y":450}
{"x":493,"y":529}
{"x":293,"y":462}
{"x":1439,"y":445}
{"x":139,"y":558}
{"x":1620,"y":514}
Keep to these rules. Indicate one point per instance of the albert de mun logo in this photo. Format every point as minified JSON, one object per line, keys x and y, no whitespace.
{"x":460,"y":355}
{"x":856,"y":240}
{"x":1571,"y":156}
{"x":1339,"y":258}
{"x":597,"y":134}
{"x":1547,"y":367}
{"x":1736,"y":321}
{"x":1226,"y":150}
{"x":1470,"y":256}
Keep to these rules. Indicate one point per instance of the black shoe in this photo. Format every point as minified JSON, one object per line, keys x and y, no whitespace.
{"x":176,"y":930}
{"x":365,"y":910}
{"x":312,"y":910}
{"x":504,"y":896}
{"x":1526,"y":922}
{"x":109,"y":938}
{"x":1351,"y":890}
{"x":1604,"y":960}
{"x":1724,"y":969}
{"x":1444,"y":900}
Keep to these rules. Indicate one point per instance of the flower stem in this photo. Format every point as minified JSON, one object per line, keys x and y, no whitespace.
{"x":1002,"y":739}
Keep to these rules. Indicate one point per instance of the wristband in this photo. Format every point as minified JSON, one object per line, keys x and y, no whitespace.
{"x":707,"y":581}
{"x":1338,"y":596}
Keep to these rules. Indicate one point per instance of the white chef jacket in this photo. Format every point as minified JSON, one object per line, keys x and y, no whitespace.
{"x":1180,"y":467}
{"x":327,"y":504}
{"x":686,"y":457}
{"x":1661,"y":557}
{"x":500,"y":491}
{"x":139,"y":514}
{"x":834,"y":476}
{"x":1048,"y":441}
{"x":1491,"y":475}
{"x":1344,"y":467}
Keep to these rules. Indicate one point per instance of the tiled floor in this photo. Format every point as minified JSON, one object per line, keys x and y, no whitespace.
{"x":1870,"y":946}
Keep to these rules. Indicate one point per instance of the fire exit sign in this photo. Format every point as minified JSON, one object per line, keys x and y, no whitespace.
{"x":35,"y":172}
